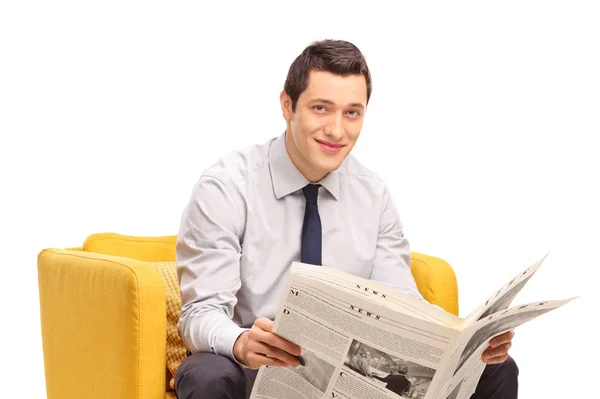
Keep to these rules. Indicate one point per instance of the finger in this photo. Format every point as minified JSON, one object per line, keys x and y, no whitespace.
{"x":276,"y":341}
{"x":272,"y":352}
{"x":497,"y":351}
{"x":264,"y":324}
{"x":502,"y":339}
{"x":283,"y":344}
{"x":497,"y":360}
{"x":255,"y":360}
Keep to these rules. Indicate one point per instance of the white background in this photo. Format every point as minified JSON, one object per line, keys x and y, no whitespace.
{"x":483,"y":121}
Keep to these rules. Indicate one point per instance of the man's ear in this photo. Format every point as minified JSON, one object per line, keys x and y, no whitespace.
{"x":286,"y":105}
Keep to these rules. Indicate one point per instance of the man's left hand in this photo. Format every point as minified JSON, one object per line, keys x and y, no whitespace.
{"x":497,"y":352}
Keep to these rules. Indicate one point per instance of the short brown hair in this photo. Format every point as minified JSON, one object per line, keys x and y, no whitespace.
{"x":335,"y":56}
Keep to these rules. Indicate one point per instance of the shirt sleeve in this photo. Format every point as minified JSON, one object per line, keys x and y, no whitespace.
{"x":392,"y":256}
{"x":208,"y":252}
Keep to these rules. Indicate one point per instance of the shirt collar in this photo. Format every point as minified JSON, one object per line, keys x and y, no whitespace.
{"x":286,"y":178}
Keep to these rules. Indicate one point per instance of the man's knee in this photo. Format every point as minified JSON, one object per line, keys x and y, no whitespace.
{"x":509,"y":369}
{"x":507,"y":379}
{"x":206,"y":375}
{"x":499,"y":381}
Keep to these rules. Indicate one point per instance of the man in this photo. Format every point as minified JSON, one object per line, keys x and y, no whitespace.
{"x":396,"y":380}
{"x":360,"y":362}
{"x":298,"y":197}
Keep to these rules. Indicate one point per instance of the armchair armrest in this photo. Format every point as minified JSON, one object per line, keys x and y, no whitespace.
{"x":103,"y":326}
{"x":436,"y":281}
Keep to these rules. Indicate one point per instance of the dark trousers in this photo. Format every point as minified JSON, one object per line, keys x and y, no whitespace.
{"x":210,"y":376}
{"x":498,"y":381}
{"x":206,"y":375}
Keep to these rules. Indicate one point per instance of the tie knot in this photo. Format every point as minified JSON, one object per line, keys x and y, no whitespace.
{"x":311,"y":191}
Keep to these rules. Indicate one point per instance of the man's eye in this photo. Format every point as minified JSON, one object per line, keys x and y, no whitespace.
{"x":354,"y":113}
{"x":319,"y":108}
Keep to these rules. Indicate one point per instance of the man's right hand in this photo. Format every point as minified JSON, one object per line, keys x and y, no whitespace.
{"x":259,"y":346}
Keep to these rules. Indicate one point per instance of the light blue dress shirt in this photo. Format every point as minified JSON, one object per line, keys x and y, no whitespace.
{"x":241,"y":231}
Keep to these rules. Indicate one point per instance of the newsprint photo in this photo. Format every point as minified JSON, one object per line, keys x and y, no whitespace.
{"x":360,"y":339}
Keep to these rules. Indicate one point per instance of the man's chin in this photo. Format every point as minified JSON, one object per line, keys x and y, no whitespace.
{"x":328,"y":167}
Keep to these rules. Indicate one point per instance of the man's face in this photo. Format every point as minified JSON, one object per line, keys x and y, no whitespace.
{"x":328,"y":119}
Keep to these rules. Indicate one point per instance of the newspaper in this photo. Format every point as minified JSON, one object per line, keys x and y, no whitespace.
{"x":361,"y":339}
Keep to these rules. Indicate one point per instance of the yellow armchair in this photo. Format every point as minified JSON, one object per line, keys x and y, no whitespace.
{"x":103,"y":315}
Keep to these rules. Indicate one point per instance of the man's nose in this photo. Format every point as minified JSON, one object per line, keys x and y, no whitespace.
{"x":336,"y":129}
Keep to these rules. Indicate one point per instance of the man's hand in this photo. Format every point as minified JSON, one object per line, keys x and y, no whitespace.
{"x":497,"y":352}
{"x":259,"y":346}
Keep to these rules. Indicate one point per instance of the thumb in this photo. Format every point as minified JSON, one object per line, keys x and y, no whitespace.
{"x":264,"y":324}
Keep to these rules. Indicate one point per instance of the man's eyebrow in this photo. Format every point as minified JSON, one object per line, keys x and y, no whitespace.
{"x":325,"y":101}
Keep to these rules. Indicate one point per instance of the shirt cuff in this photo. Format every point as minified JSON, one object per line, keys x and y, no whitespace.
{"x":224,"y":346}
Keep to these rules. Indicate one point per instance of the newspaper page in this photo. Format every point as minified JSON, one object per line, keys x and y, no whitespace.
{"x":352,"y":346}
{"x":378,"y":293}
{"x":502,"y":299}
{"x":465,"y":386}
{"x":464,"y":367}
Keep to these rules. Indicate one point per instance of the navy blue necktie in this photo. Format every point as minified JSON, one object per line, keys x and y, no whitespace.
{"x":311,"y":229}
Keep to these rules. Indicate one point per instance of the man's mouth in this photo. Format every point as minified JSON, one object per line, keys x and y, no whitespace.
{"x":330,"y":147}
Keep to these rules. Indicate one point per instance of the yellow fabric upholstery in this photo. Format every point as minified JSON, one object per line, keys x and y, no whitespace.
{"x":103,"y":327}
{"x":436,"y":281}
{"x":176,"y":351}
{"x":150,"y":249}
{"x":106,"y":308}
